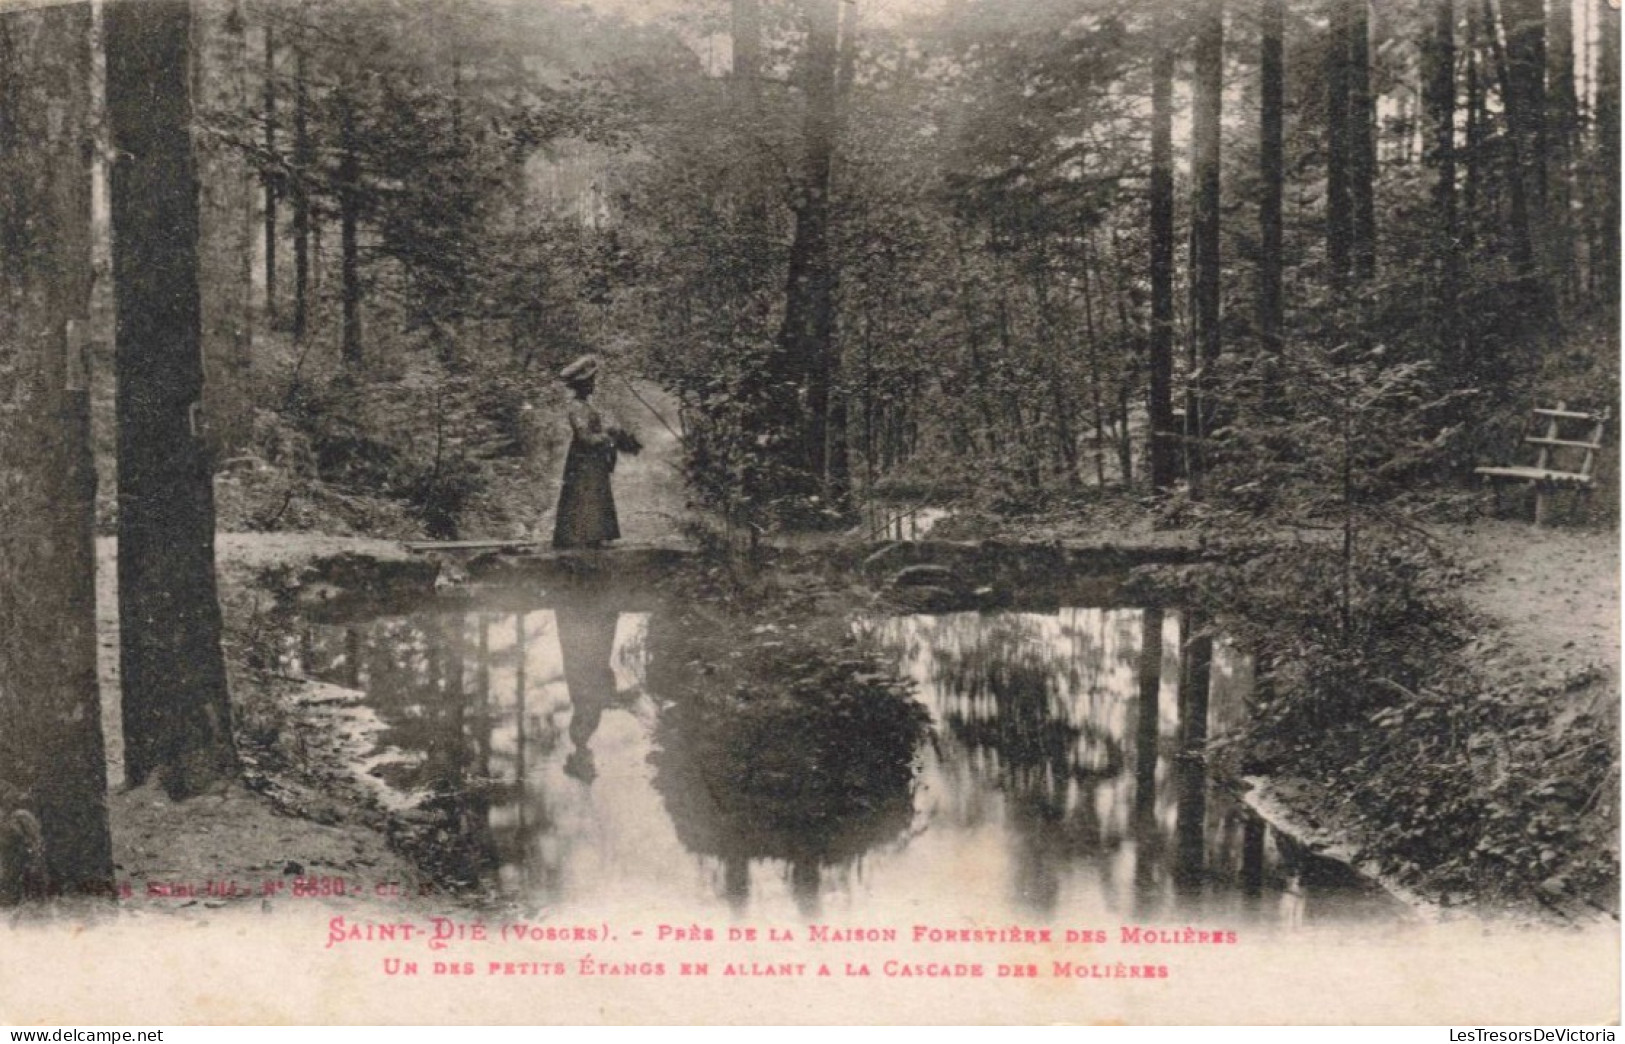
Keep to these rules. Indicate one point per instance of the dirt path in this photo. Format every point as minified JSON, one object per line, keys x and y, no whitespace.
{"x":1554,"y":594}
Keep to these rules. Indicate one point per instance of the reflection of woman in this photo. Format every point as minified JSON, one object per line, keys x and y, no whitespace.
{"x":586,"y":515}
{"x":587,"y":641}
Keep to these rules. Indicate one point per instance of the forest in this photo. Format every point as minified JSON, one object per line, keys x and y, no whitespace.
{"x":1259,"y":281}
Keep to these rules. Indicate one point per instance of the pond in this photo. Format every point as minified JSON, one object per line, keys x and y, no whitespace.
{"x":543,"y":768}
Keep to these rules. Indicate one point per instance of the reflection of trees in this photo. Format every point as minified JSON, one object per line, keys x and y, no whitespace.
{"x":526,"y":816}
{"x":434,"y":705}
{"x":793,"y":751}
{"x":1043,"y":709}
{"x":800,"y":751}
{"x":1036,"y":706}
{"x":1195,"y":683}
{"x":417,"y":671}
{"x":1011,"y":694}
{"x":1147,"y":732}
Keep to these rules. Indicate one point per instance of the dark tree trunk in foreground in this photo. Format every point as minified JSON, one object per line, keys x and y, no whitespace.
{"x":51,"y":753}
{"x":1207,"y":101}
{"x":1164,"y":459}
{"x":807,"y":339}
{"x":177,"y":718}
{"x":1272,"y":176}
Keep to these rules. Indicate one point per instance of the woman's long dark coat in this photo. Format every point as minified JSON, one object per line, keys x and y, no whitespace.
{"x":586,"y":515}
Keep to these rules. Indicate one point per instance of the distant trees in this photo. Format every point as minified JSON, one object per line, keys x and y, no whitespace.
{"x":1009,"y":210}
{"x":955,"y":253}
{"x":390,"y":160}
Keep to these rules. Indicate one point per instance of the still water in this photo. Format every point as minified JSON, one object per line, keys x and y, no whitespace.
{"x":545,"y":772}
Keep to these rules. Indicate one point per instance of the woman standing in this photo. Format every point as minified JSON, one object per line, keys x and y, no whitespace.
{"x":586,"y":515}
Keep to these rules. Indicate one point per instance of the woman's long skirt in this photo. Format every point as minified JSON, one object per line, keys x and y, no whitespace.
{"x":586,"y":514}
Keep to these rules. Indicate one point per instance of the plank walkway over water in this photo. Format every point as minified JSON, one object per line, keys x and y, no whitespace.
{"x":422,"y":547}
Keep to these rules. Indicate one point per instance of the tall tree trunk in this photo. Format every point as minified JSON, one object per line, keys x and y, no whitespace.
{"x":51,"y":749}
{"x":1563,"y":128}
{"x":1339,"y":184}
{"x":177,"y":717}
{"x":1128,"y":372}
{"x":270,"y":180}
{"x":746,"y":86}
{"x":1439,"y":95}
{"x":1207,"y":104}
{"x":1093,"y":337}
{"x":1521,"y":66}
{"x":1362,"y":141}
{"x":1272,"y":178}
{"x":1607,"y":146}
{"x":1525,"y":28}
{"x":349,"y":221}
{"x":837,"y":459}
{"x":807,"y":338}
{"x":1472,"y":189}
{"x":1161,"y":451}
{"x":226,"y":183}
{"x":1439,"y":98}
{"x":103,"y":427}
{"x":303,"y":158}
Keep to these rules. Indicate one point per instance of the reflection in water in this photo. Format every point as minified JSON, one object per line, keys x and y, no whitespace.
{"x":1064,"y":782}
{"x":791,"y":755}
{"x":1195,"y":682}
{"x":892,"y":522}
{"x":587,"y":645}
{"x":1147,"y":838}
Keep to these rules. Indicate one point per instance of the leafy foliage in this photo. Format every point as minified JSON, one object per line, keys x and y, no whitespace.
{"x":744,"y":668}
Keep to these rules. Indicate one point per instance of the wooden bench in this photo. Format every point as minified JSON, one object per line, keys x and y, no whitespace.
{"x":1565,"y":458}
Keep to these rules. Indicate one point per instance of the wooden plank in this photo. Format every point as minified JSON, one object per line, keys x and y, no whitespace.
{"x":419,"y":547}
{"x":1544,"y":459}
{"x":1536,"y":475}
{"x":1539,"y":441}
{"x":1562,"y":414}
